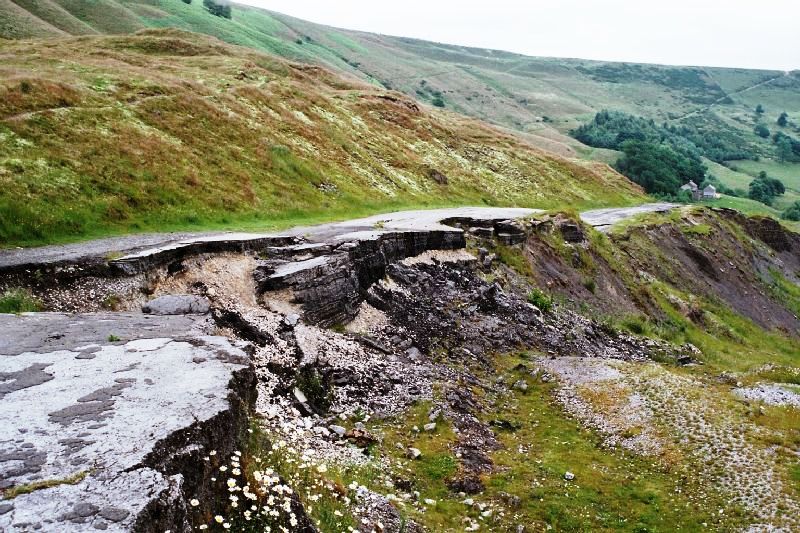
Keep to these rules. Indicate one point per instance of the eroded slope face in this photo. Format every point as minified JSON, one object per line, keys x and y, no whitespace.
{"x":166,"y":128}
{"x":406,"y":383}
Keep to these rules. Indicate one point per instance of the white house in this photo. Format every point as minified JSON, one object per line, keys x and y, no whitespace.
{"x":710,"y":193}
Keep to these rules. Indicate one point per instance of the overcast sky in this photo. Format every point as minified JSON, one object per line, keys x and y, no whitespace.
{"x":732,"y":33}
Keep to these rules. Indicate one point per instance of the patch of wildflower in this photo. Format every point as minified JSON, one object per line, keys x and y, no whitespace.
{"x":262,"y":498}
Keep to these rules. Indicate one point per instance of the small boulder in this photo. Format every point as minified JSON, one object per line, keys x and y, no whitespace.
{"x":414,"y":354}
{"x":414,"y":453}
{"x":430,"y":427}
{"x":291,"y":320}
{"x":521,"y":385}
{"x":339,"y":430}
{"x":361,"y":438}
{"x":177,"y":304}
{"x":569,"y":476}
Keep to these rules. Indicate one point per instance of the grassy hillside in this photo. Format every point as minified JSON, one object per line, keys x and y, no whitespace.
{"x":166,"y":129}
{"x":544,"y":96}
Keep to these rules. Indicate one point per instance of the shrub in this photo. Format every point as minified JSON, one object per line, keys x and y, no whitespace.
{"x":764,"y":189}
{"x":762,"y":131}
{"x":219,"y":8}
{"x":792,"y":213}
{"x":18,"y":301}
{"x":634,"y":324}
{"x":590,"y":285}
{"x":540,"y":300}
{"x":438,"y":101}
{"x":187,"y":1}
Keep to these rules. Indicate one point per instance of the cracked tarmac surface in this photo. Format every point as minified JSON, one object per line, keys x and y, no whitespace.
{"x":80,"y":407}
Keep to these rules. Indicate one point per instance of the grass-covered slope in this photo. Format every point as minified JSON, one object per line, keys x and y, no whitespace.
{"x":167,"y":129}
{"x":51,"y":12}
{"x":545,"y":97}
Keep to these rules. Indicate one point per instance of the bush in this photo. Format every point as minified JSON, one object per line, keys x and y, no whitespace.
{"x":764,"y":189}
{"x":792,"y":213}
{"x":762,"y":131}
{"x":438,"y":101}
{"x":634,"y":324}
{"x":590,"y":285}
{"x":187,"y":1}
{"x":219,"y":8}
{"x":18,"y":301}
{"x":540,"y":300}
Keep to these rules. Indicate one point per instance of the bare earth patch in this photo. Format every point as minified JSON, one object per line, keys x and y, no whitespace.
{"x":677,"y":414}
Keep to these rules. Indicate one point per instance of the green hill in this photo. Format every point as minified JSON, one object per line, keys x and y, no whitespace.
{"x":543,"y":97}
{"x":541,"y":100}
{"x":165,"y":129}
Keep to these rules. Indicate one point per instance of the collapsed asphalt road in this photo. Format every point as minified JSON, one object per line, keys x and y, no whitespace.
{"x":100,"y":250}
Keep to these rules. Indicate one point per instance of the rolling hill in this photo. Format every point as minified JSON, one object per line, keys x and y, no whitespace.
{"x":543,"y":97}
{"x":539,"y":100}
{"x":165,"y":128}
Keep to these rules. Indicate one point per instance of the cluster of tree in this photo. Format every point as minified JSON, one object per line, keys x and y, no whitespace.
{"x":703,"y":135}
{"x":716,"y":139}
{"x":659,"y":168}
{"x":220,"y":8}
{"x":656,"y":157}
{"x":792,"y":213}
{"x":764,"y":189}
{"x":783,"y":118}
{"x":786,"y":148}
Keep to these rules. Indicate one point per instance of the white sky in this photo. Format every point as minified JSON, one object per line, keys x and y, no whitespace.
{"x":732,"y":33}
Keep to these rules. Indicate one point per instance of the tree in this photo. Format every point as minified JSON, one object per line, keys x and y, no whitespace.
{"x":792,"y":213}
{"x":659,"y":168}
{"x":783,"y":120}
{"x":760,"y":109}
{"x":762,"y":131}
{"x":187,"y":1}
{"x":764,"y":189}
{"x":783,"y":147}
{"x":219,"y":8}
{"x":760,"y":192}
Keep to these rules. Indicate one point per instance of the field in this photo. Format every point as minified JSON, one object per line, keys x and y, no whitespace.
{"x":739,"y":174}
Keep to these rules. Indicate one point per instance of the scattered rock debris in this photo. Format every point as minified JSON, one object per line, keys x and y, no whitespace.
{"x":363,"y":328}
